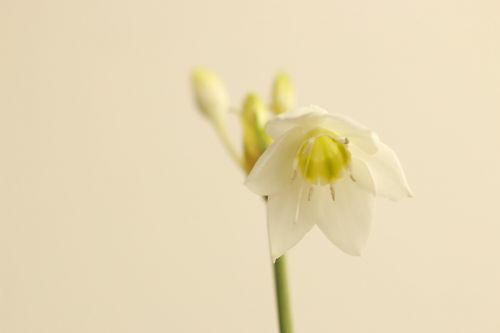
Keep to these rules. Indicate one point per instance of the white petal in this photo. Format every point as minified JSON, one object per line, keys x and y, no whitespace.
{"x":274,"y":168}
{"x":362,"y":174}
{"x":346,"y":220}
{"x":358,"y":134}
{"x":305,"y":117}
{"x":290,"y":215}
{"x":381,"y":173}
{"x":313,"y":117}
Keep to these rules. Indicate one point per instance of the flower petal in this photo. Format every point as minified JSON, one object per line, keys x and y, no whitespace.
{"x":274,"y":168}
{"x":313,"y":116}
{"x":290,"y":215}
{"x":346,"y":220}
{"x":362,"y":174}
{"x":358,"y":134}
{"x":305,"y":117}
{"x":380,"y":173}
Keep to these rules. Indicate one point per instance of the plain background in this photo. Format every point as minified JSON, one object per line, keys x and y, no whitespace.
{"x":120,"y":211}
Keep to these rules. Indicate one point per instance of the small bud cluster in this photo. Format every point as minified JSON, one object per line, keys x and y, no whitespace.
{"x":212,"y":100}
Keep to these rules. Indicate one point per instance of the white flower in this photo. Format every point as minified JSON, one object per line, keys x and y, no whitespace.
{"x":323,"y":169}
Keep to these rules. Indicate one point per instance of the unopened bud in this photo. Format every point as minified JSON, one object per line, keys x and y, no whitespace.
{"x":255,"y":140}
{"x":210,"y":94}
{"x":283,"y":94}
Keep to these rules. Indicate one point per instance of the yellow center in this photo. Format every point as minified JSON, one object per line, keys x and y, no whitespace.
{"x":323,"y":157}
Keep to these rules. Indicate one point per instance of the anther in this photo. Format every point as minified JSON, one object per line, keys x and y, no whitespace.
{"x":309,"y":194}
{"x":346,"y":141}
{"x":332,"y":192}
{"x":352,"y":177}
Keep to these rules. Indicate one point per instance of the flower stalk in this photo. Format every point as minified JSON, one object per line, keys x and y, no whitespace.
{"x":228,"y":144}
{"x":282,"y":298}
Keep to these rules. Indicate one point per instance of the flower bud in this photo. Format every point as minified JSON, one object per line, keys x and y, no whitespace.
{"x":210,"y":94}
{"x":255,"y":140}
{"x":283,"y":95}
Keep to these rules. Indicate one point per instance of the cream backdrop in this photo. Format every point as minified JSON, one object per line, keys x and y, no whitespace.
{"x":120,"y":211}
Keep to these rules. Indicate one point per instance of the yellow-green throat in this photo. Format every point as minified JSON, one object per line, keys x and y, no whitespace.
{"x":323,"y":157}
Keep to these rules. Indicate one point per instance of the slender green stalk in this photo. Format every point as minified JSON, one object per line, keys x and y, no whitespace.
{"x":226,"y":141}
{"x":283,"y":301}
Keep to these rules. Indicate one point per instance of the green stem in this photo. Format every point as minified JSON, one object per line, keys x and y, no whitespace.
{"x":281,"y":284}
{"x":226,"y":141}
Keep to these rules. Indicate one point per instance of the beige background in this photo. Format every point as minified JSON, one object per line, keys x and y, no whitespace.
{"x":120,"y":212}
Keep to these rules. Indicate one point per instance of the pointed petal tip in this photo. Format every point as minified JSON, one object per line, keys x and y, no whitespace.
{"x":353,"y":252}
{"x":255,"y":188}
{"x":407,"y":194}
{"x":253,"y":185}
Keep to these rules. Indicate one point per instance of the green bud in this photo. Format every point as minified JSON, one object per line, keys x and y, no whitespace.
{"x":283,"y":94}
{"x":210,"y":94}
{"x":255,"y":140}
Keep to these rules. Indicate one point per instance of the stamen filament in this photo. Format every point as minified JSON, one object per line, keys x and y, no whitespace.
{"x":302,"y":185}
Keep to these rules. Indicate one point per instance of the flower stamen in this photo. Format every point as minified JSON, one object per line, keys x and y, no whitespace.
{"x":309,"y":194}
{"x":332,"y":192}
{"x":302,"y":186}
{"x":310,"y":143}
{"x":297,"y":209}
